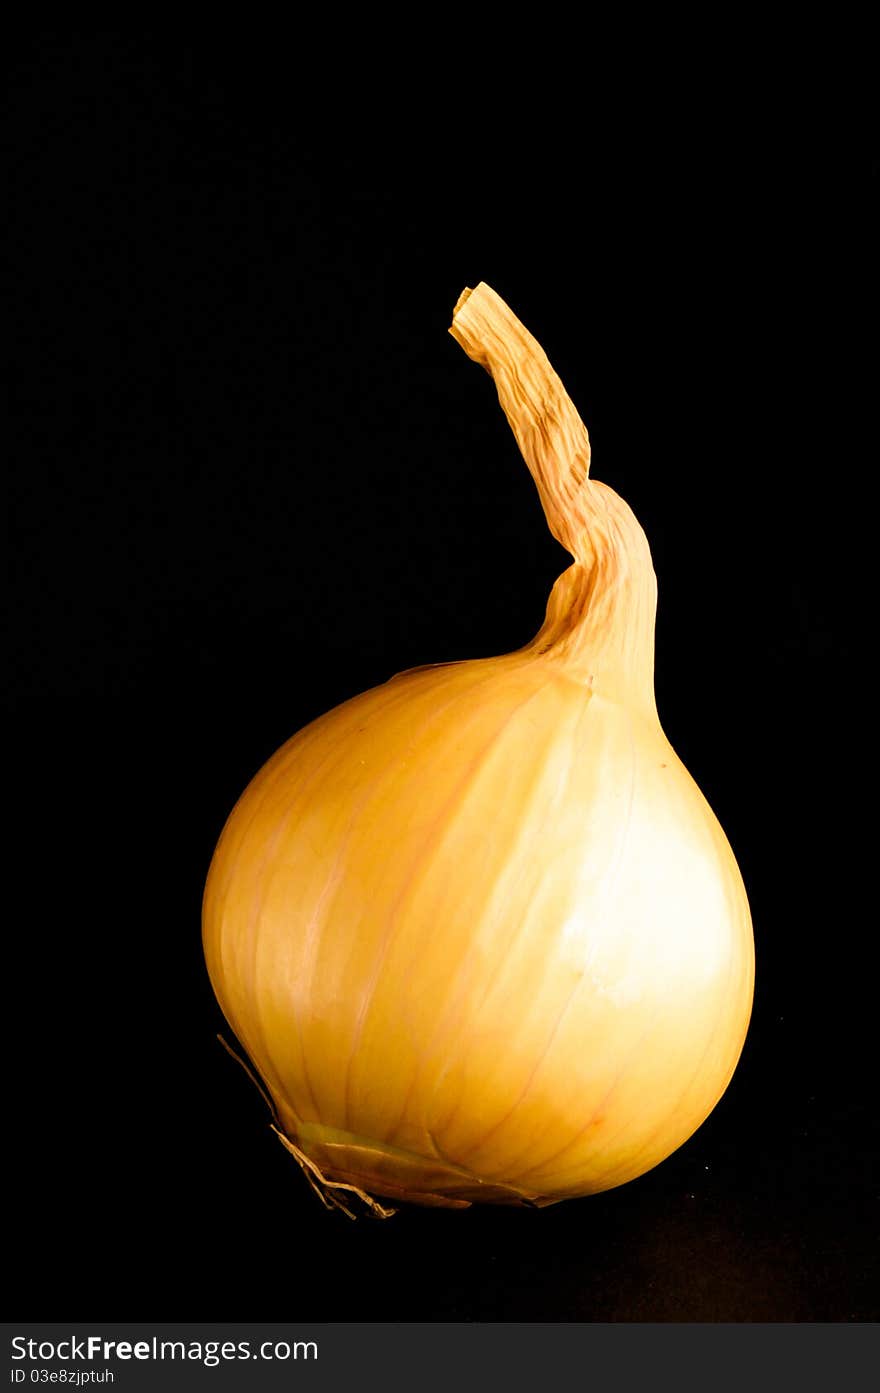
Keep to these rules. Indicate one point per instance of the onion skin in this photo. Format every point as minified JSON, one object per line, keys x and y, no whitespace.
{"x":477,"y":929}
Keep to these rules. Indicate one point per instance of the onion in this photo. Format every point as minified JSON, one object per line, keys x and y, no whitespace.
{"x":477,"y":929}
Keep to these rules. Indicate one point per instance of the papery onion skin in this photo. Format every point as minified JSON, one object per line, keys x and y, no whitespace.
{"x":477,"y":929}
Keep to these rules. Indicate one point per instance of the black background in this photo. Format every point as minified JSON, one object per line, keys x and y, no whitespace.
{"x":252,"y":475}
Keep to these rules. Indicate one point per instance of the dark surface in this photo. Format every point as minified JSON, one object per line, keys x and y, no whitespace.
{"x":251,"y":476}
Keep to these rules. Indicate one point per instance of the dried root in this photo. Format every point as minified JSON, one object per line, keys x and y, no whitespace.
{"x":251,"y":1075}
{"x":325,"y":1189}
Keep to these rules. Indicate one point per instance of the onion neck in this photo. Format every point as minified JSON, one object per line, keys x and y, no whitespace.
{"x":600,"y":617}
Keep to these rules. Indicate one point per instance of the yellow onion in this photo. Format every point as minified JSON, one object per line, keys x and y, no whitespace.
{"x":477,"y":929}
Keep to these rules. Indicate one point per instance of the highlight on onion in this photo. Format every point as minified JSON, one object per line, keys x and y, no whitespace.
{"x":477,"y":930}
